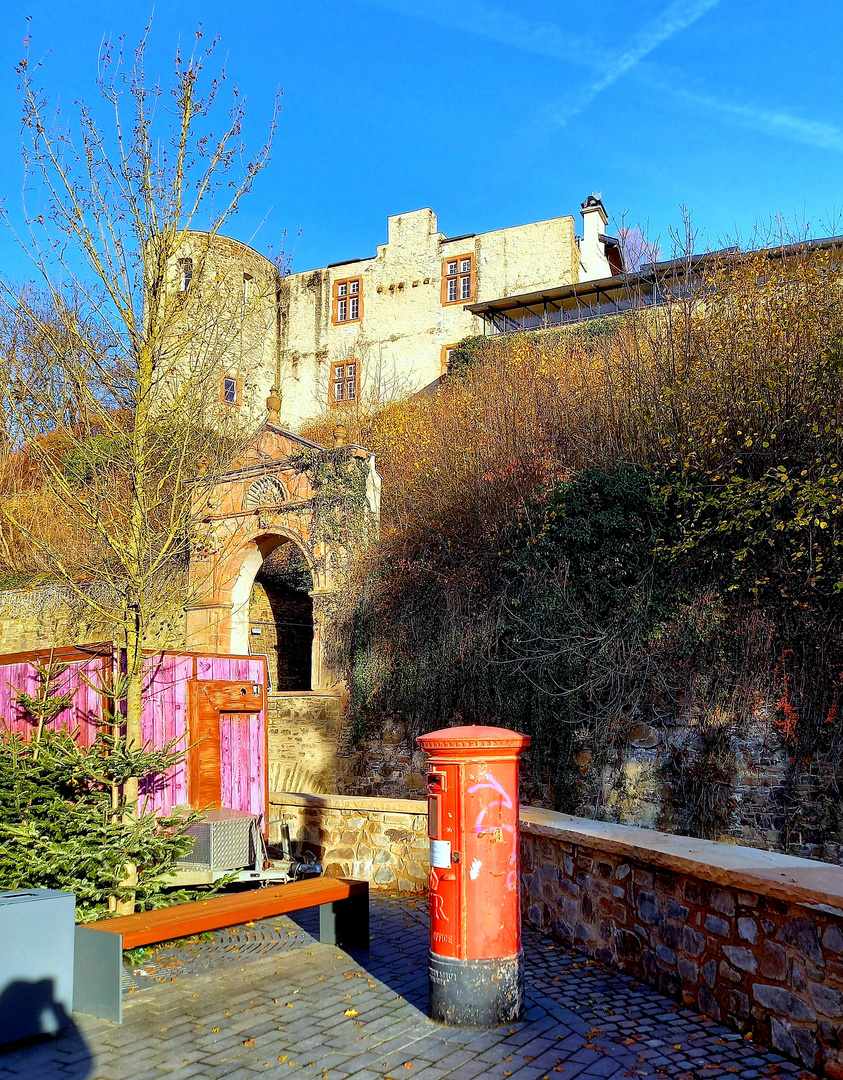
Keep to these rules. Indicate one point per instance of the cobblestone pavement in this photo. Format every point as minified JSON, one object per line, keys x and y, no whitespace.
{"x":267,"y":999}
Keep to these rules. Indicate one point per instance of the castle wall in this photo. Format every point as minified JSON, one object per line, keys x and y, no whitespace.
{"x":50,"y":615}
{"x":398,"y":342}
{"x":283,"y":331}
{"x":227,"y":319}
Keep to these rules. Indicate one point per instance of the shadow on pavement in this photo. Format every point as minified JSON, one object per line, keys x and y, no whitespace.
{"x":399,"y":944}
{"x":64,"y":1054}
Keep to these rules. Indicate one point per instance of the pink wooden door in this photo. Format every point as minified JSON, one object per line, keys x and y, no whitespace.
{"x":241,"y":763}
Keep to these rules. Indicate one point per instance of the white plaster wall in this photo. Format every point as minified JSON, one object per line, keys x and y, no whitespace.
{"x":398,"y":342}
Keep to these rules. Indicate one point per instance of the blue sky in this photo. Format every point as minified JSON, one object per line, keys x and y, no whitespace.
{"x":492,"y":113}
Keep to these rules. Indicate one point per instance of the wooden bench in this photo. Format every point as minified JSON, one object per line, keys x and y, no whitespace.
{"x":98,"y":964}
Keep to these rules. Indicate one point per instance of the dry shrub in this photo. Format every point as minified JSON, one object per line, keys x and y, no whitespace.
{"x":728,"y":399}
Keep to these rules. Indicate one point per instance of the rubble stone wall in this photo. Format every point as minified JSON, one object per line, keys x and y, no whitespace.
{"x":771,"y":807}
{"x":750,"y":938}
{"x":47,"y":616}
{"x":302,"y":736}
{"x":388,"y":765}
{"x":383,"y":841}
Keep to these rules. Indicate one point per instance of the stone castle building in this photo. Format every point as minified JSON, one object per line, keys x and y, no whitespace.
{"x":380,"y":328}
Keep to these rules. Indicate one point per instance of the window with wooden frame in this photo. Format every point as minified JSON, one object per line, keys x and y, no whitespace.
{"x":345,"y":382}
{"x":458,"y":279}
{"x":446,"y":358}
{"x":185,"y":274}
{"x":348,"y":300}
{"x":231,"y":390}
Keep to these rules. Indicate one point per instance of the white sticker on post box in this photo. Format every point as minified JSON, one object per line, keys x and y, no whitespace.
{"x":440,"y":853}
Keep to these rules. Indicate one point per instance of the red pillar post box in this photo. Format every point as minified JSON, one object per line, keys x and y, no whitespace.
{"x":475,"y":919}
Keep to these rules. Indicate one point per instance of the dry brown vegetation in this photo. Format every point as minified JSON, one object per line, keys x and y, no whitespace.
{"x":698,"y":383}
{"x":583,"y":527}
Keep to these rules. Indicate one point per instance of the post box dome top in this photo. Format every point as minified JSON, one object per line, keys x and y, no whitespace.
{"x":474,"y":737}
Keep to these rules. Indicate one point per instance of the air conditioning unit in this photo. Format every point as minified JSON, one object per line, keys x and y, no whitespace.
{"x":224,"y":840}
{"x":230,"y":844}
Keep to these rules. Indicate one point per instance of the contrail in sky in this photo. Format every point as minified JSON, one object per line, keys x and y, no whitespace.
{"x":493,"y":23}
{"x":675,"y":17}
{"x":772,"y":121}
{"x":485,"y":20}
{"x":546,"y":38}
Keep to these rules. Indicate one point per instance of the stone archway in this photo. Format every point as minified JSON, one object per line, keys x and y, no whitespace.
{"x":264,"y":506}
{"x":280,"y":617}
{"x":296,"y":617}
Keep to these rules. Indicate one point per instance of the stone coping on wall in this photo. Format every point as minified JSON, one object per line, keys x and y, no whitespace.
{"x":303,"y":693}
{"x":359,"y":803}
{"x":768,"y":873}
{"x":785,"y":877}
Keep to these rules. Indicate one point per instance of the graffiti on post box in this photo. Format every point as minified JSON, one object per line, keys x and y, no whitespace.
{"x":491,"y":784}
{"x":496,"y":832}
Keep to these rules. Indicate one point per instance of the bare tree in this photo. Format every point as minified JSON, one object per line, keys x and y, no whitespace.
{"x":638,"y":250}
{"x":111,"y":392}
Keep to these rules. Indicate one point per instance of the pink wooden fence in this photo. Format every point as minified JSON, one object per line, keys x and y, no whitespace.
{"x":84,"y":673}
{"x":164,"y":720}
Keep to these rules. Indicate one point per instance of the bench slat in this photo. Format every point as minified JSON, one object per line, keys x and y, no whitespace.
{"x":198,"y":916}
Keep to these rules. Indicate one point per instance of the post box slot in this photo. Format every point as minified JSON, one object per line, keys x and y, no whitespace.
{"x":436,"y":783}
{"x":433,"y":816}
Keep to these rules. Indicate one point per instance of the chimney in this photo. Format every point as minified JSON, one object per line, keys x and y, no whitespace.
{"x":594,"y":263}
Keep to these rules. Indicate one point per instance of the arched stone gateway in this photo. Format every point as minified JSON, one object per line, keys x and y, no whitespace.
{"x":281,"y":617}
{"x":262,"y":576}
{"x":247,"y":619}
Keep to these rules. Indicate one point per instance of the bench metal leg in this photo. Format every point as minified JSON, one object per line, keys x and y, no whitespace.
{"x":345,"y":923}
{"x":98,"y":974}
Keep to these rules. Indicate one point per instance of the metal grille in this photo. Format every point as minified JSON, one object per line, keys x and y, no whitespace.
{"x":223,"y":840}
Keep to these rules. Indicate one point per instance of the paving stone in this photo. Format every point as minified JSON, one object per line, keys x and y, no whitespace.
{"x":579,"y":1017}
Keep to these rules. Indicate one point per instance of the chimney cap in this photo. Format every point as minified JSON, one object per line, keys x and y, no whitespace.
{"x":593,"y":201}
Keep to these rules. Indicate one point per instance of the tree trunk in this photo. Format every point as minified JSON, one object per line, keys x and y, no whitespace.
{"x":134,"y":739}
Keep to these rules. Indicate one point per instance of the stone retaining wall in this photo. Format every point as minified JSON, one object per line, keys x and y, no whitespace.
{"x":768,"y":802}
{"x":386,"y":765}
{"x":47,"y":616}
{"x":383,"y":841}
{"x":749,"y":937}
